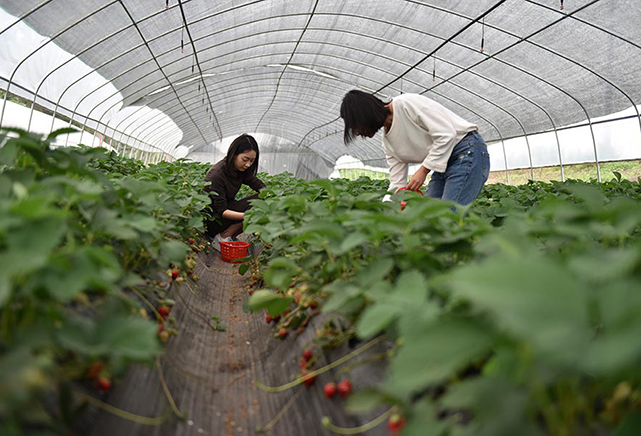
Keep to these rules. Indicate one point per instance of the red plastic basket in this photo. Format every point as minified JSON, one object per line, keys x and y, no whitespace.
{"x":403,"y":203}
{"x":232,"y":250}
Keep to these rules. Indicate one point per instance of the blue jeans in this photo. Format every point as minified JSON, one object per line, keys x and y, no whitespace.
{"x":467,"y":171}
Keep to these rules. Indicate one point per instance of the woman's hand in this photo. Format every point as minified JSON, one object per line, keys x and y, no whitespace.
{"x":418,"y":179}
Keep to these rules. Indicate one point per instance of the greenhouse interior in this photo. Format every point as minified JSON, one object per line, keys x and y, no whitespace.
{"x":320,"y":217}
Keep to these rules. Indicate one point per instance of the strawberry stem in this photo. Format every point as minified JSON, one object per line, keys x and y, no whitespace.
{"x":327,"y":423}
{"x":144,"y":420}
{"x":279,"y":415}
{"x":320,"y":370}
{"x":166,"y":389}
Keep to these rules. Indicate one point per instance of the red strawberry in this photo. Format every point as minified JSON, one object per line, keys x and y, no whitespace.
{"x":161,"y":327}
{"x":268,"y":318}
{"x":251,"y":285}
{"x":307,"y":354}
{"x":95,"y":370}
{"x":303,"y":363}
{"x":330,"y":390}
{"x":164,"y":311}
{"x":250,"y":291}
{"x":104,"y":384}
{"x":395,"y":424}
{"x":282,"y":333}
{"x":277,"y":318}
{"x":170,"y":281}
{"x":192,"y":241}
{"x":344,"y":388}
{"x":174,"y":274}
{"x":309,"y":379}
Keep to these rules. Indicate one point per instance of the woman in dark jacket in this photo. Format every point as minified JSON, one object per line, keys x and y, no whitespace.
{"x":225,"y":179}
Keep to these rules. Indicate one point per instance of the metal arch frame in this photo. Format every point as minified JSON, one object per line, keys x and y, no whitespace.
{"x":526,"y":38}
{"x":266,"y":19}
{"x":285,"y":42}
{"x":17,"y":67}
{"x":555,"y":53}
{"x":182,"y":13}
{"x":454,"y":84}
{"x":51,"y":102}
{"x":152,"y":124}
{"x":206,"y":36}
{"x":142,"y":37}
{"x":25,"y":15}
{"x":607,"y":32}
{"x":451,"y":12}
{"x":462,"y":105}
{"x":519,"y":40}
{"x":291,"y":56}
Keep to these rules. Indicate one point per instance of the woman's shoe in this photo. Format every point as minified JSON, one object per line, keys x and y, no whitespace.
{"x":218,"y":239}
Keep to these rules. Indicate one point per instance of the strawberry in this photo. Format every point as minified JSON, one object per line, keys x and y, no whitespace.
{"x":250,"y":291}
{"x":163,"y":336}
{"x":282,"y":333}
{"x":251,"y":285}
{"x":344,"y":388}
{"x":277,"y":318}
{"x":330,"y":390}
{"x":170,"y":281}
{"x":164,"y":311}
{"x":303,"y":363}
{"x":307,"y":354}
{"x":95,"y":370}
{"x":395,"y":424}
{"x":161,"y":327}
{"x":309,"y":379}
{"x":268,"y":318}
{"x":192,"y":241}
{"x":174,"y":274}
{"x":104,"y":384}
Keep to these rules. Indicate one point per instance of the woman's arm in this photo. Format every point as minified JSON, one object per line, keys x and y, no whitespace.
{"x":255,"y":183}
{"x":233,"y":215}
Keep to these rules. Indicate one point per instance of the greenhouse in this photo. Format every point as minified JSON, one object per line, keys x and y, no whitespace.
{"x":318,"y":217}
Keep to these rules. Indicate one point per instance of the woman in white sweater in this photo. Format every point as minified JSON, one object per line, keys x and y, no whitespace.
{"x":420,"y":130}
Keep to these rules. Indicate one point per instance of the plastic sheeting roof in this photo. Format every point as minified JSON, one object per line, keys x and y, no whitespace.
{"x":218,"y":69}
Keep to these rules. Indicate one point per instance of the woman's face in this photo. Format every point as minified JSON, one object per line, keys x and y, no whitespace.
{"x":244,"y":160}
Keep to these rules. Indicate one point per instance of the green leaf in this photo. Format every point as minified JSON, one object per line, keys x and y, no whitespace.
{"x":375,"y":319}
{"x":410,"y":289}
{"x":352,"y":241}
{"x":365,"y":401}
{"x":434,"y":352}
{"x":630,"y":425}
{"x":173,"y":251}
{"x":243,"y":269}
{"x":499,"y":407}
{"x":273,"y":302}
{"x":531,"y":298}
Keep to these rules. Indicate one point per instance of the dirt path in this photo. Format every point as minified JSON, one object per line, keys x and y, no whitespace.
{"x":210,"y":373}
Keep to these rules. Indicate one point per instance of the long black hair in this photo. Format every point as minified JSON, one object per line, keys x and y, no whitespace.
{"x":240,"y":145}
{"x":363,"y":112}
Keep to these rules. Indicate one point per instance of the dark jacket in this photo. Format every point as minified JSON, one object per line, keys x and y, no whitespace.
{"x":226,"y":183}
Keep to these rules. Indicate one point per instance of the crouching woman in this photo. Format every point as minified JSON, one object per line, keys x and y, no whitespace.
{"x":225,"y":179}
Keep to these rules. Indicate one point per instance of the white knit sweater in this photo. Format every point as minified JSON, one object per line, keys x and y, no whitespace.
{"x":422,"y":131}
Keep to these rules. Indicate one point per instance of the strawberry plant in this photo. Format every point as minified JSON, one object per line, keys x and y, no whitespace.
{"x":84,"y":239}
{"x":520,"y":311}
